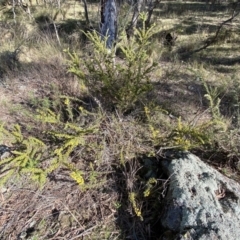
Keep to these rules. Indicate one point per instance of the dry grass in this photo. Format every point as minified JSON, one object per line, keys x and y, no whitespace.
{"x":37,"y":75}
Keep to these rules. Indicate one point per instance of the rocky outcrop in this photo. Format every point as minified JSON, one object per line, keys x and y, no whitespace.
{"x":201,"y":203}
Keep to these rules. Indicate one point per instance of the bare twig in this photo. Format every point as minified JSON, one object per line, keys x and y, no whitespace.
{"x":165,"y":186}
{"x":56,"y":31}
{"x":86,"y":232}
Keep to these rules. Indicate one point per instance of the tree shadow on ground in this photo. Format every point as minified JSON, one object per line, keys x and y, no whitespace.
{"x":195,"y":12}
{"x":231,"y":61}
{"x":184,"y":95}
{"x":180,"y":8}
{"x":196,"y":27}
{"x":69,"y":30}
{"x":9,"y":62}
{"x":179,"y":98}
{"x":225,"y":69}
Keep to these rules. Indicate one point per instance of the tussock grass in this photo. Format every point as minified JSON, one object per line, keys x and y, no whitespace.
{"x":99,"y":166}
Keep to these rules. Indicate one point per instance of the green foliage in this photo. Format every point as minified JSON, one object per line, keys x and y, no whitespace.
{"x":27,"y":159}
{"x":132,"y":199}
{"x":213,"y":98}
{"x":214,"y":101}
{"x":149,"y":186}
{"x":77,"y":176}
{"x":117,"y":82}
{"x":33,"y":158}
{"x":186,"y":137}
{"x":234,"y":93}
{"x":155,"y":134}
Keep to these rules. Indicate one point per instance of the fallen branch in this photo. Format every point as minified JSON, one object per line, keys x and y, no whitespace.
{"x":212,"y":40}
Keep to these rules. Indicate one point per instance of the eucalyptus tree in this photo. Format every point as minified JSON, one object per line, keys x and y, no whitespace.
{"x":109,"y":21}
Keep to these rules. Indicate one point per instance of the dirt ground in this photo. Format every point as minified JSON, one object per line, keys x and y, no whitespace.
{"x":61,"y":209}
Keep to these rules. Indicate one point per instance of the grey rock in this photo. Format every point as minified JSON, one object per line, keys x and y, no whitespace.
{"x":4,"y":148}
{"x":5,"y":155}
{"x":5,"y":152}
{"x":201,"y":203}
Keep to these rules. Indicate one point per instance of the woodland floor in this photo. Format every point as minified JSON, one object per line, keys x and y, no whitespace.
{"x":60,"y":210}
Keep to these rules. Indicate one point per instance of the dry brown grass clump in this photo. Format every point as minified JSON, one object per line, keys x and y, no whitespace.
{"x":110,"y":185}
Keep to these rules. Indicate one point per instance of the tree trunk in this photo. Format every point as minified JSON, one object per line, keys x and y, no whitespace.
{"x":151,"y":6}
{"x":86,"y":12}
{"x":138,"y":4}
{"x":109,"y":21}
{"x":137,"y":9}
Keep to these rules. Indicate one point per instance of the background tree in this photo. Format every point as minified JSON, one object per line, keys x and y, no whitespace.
{"x":109,"y":21}
{"x":86,"y":13}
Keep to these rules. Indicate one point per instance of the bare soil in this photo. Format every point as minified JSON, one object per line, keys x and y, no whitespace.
{"x":62,"y":210}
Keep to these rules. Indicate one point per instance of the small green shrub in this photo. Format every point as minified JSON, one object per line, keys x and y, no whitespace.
{"x":26,"y":158}
{"x":186,"y":137}
{"x":118,"y":83}
{"x":39,"y":156}
{"x":214,"y":101}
